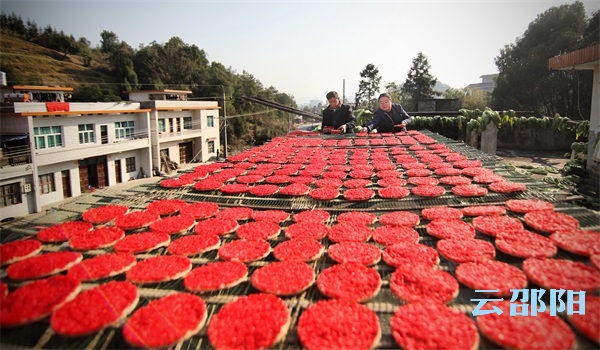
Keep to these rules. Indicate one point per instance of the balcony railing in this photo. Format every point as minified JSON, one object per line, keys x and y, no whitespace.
{"x":15,"y":155}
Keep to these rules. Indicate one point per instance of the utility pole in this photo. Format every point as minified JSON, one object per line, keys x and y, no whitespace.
{"x":225,"y":123}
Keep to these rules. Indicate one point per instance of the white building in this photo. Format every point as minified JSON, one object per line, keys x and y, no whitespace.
{"x":488,"y":83}
{"x":68,"y":148}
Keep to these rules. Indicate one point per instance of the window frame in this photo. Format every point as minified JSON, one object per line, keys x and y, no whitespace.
{"x":10,"y":194}
{"x":87,"y":135}
{"x":47,"y":137}
{"x":130,"y":164}
{"x":47,"y":183}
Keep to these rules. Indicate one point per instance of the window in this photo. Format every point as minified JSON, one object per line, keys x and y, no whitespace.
{"x":124,"y":130}
{"x":86,"y":133}
{"x":47,"y":136}
{"x":10,"y":194}
{"x":211,"y":146}
{"x":47,"y":183}
{"x":130,"y":164}
{"x":187,"y":123}
{"x":210,"y":121}
{"x":161,"y":125}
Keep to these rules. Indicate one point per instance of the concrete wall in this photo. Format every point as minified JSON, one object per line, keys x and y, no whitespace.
{"x":543,"y":139}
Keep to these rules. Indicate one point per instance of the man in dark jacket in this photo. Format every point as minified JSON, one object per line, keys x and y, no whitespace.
{"x":337,"y":116}
{"x":389,"y":117}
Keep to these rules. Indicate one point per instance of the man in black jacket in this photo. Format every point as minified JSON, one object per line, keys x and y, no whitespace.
{"x":337,"y":116}
{"x":389,"y":117}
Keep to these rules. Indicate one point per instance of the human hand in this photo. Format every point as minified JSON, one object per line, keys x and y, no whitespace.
{"x":373,"y":131}
{"x":360,"y":130}
{"x":342,"y":129}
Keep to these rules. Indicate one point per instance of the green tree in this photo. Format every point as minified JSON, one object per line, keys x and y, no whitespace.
{"x":109,"y":43}
{"x":123,"y":68}
{"x":93,"y":93}
{"x":395,"y":90}
{"x":524,"y":81}
{"x":420,"y":82}
{"x":368,"y":87}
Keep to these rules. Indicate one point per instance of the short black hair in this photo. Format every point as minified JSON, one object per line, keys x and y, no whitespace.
{"x":385,"y":94}
{"x":332,"y":94}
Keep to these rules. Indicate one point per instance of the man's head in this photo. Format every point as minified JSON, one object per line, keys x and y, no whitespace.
{"x":385,"y":102}
{"x":334,"y":99}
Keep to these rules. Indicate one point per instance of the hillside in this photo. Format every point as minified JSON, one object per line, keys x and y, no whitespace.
{"x":28,"y":63}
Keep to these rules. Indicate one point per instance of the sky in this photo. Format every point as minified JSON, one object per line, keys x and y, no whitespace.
{"x":307,"y":48}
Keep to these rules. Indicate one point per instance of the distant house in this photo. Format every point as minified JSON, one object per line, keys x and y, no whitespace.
{"x":488,"y":83}
{"x":55,"y":150}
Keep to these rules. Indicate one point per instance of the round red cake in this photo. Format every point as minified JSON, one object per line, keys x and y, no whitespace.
{"x":324,"y":193}
{"x":357,"y":183}
{"x":527,"y":205}
{"x":295,"y":189}
{"x":142,"y":242}
{"x":101,"y":237}
{"x":63,"y":231}
{"x":410,"y":254}
{"x":244,"y":251}
{"x":176,"y":182}
{"x":43,"y":265}
{"x":158,"y":269}
{"x":428,"y":191}
{"x":357,"y":218}
{"x":595,"y":260}
{"x":388,"y":235}
{"x":194,"y":244}
{"x":551,"y":221}
{"x":349,"y":232}
{"x":19,"y":250}
{"x":425,"y":180}
{"x":447,"y":171}
{"x":303,"y":249}
{"x":95,"y":309}
{"x":393,"y":192}
{"x":469,"y":190}
{"x":450,"y":228}
{"x":263,"y":190}
{"x":475,"y":171}
{"x":391,"y":181}
{"x":255,"y":321}
{"x":36,"y":300}
{"x":329,"y":183}
{"x":102,"y":266}
{"x":236,"y":213}
{"x":588,"y":324}
{"x":164,"y":322}
{"x":418,"y":172}
{"x":441,"y":212}
{"x":250,"y":179}
{"x":166,"y":206}
{"x":507,"y":187}
{"x":464,"y":250}
{"x":491,"y":275}
{"x":488,"y":178}
{"x":492,"y":225}
{"x":258,"y":230}
{"x":104,"y":214}
{"x":177,"y":224}
{"x":350,"y":281}
{"x":136,"y":220}
{"x":423,"y":285}
{"x":558,"y":273}
{"x":455,"y":180}
{"x":307,"y":229}
{"x":209,"y":184}
{"x":234,"y":188}
{"x":216,"y":276}
{"x":359,"y":194}
{"x":400,"y":218}
{"x":200,"y":210}
{"x":540,"y":332}
{"x":216,"y":226}
{"x":356,"y":252}
{"x":433,"y":326}
{"x":270,"y":215}
{"x":578,"y":241}
{"x":314,"y":215}
{"x":525,"y":244}
{"x":482,"y":210}
{"x":338,"y":324}
{"x":278,"y":179}
{"x":283,"y":278}
{"x":468,"y":164}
